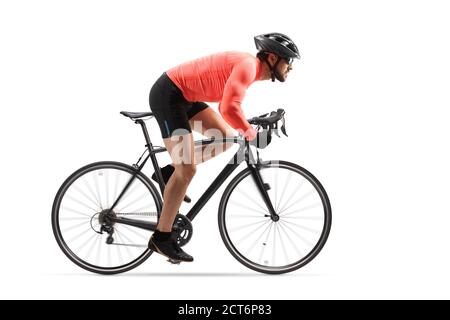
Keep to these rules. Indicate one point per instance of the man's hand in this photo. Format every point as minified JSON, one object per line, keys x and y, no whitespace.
{"x":263,"y":139}
{"x":250,"y":134}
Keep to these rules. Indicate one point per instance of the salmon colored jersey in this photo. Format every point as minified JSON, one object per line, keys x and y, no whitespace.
{"x":222,"y":77}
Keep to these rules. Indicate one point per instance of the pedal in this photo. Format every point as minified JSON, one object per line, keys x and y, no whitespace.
{"x":173,"y":261}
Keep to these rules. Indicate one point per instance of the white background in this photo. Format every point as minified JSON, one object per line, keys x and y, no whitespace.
{"x":367,"y":113}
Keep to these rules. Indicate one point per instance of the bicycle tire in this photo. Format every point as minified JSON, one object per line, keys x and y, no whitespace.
{"x":56,"y":209}
{"x":281,"y":269}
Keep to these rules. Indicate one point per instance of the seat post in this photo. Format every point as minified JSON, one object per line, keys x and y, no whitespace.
{"x":152,"y":155}
{"x":144,"y":130}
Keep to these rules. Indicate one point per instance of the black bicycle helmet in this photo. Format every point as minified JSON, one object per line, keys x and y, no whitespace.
{"x":277,"y":43}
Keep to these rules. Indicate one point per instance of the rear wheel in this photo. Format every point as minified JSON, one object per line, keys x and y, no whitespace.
{"x":82,"y":223}
{"x":269,"y":245}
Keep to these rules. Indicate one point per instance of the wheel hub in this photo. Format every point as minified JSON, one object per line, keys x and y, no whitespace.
{"x":105,"y":222}
{"x":275,"y":217}
{"x":104,"y":217}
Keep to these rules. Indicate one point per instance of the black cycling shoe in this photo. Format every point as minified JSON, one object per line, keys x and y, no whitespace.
{"x":167,"y":172}
{"x":169,"y":248}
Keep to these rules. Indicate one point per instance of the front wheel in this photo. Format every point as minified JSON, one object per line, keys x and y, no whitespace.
{"x":275,"y":246}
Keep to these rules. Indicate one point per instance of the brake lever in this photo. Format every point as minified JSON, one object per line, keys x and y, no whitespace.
{"x":275,"y":129}
{"x":283,"y":126}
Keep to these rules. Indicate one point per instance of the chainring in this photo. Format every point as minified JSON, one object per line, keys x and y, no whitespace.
{"x":182,"y":226}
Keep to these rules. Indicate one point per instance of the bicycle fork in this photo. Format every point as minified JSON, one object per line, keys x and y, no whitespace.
{"x":254,"y":167}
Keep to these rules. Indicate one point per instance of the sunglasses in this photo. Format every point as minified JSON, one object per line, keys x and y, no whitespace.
{"x":289,"y":61}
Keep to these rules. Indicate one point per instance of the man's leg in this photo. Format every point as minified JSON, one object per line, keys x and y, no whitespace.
{"x":210,"y":124}
{"x":181,"y":150}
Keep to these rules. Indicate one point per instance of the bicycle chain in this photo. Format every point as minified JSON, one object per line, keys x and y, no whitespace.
{"x":148,"y":214}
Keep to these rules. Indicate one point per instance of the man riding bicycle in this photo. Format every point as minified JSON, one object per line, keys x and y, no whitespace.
{"x":177,"y":100}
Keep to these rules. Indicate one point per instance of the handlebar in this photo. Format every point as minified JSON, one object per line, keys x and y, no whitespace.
{"x":266,"y":119}
{"x":270,"y":121}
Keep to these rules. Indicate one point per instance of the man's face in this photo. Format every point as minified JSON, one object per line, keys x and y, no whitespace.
{"x":282,"y":70}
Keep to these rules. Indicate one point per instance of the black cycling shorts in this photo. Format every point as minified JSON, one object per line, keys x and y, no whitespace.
{"x":171,"y":109}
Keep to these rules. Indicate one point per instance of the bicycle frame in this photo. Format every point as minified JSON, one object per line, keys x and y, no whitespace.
{"x":244,"y":153}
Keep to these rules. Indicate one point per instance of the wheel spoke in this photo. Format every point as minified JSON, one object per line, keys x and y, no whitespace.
{"x":88,"y":255}
{"x":108,"y":205}
{"x":74,"y":226}
{"x":315,"y":205}
{"x":309,"y":243}
{"x":249,"y":234}
{"x":119,"y":254}
{"x":86,"y":196}
{"x":305,"y":217}
{"x":276,"y":189}
{"x":245,"y":226}
{"x":247,"y":197}
{"x":99,"y":248}
{"x":88,"y":186}
{"x":291,"y":241}
{"x":313,"y":231}
{"x":293,"y":192}
{"x":98,"y":190}
{"x":129,"y":192}
{"x":274,"y":243}
{"x":108,"y":257}
{"x":80,"y":234}
{"x":116,"y":184}
{"x":134,"y":201}
{"x":76,"y":212}
{"x":81,"y":247}
{"x":120,"y":237}
{"x":75,"y":218}
{"x":264,"y":246}
{"x":284,"y":189}
{"x":80,"y":203}
{"x":282,"y":244}
{"x":129,"y":242}
{"x":247,"y":207}
{"x":257,"y":239}
{"x":311,"y":192}
{"x":246,"y":216}
{"x":132,"y":230}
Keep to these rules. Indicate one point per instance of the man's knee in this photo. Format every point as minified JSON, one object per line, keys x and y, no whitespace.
{"x":185,"y":172}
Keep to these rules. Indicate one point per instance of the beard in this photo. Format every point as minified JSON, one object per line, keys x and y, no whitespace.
{"x":279,"y":76}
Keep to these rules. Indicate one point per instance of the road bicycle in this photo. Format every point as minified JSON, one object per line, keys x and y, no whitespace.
{"x":274,"y":216}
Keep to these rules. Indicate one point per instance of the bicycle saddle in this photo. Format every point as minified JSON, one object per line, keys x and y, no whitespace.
{"x":136,"y":115}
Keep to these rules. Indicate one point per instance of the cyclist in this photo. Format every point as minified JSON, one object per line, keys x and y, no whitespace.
{"x":177,"y":99}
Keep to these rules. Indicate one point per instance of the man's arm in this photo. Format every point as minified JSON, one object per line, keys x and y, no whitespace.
{"x":234,"y":92}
